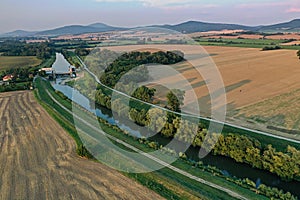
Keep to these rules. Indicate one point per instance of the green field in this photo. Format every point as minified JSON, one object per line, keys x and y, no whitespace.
{"x":8,"y":62}
{"x":246,"y":43}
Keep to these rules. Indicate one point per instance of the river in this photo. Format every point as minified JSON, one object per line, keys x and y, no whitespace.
{"x":227,"y":165}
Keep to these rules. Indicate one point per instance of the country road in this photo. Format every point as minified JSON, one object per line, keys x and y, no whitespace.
{"x":161,"y":162}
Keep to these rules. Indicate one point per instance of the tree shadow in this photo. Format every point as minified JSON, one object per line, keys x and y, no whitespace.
{"x":205,"y":101}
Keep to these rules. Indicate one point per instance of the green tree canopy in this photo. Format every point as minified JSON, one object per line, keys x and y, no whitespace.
{"x":175,"y":99}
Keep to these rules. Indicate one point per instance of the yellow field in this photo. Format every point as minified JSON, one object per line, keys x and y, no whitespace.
{"x":282,"y":110}
{"x":7,"y":62}
{"x":264,"y":74}
{"x":250,"y":75}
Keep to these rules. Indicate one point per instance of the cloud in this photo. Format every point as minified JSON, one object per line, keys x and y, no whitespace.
{"x":162,"y":3}
{"x":293,"y":10}
{"x":262,"y":4}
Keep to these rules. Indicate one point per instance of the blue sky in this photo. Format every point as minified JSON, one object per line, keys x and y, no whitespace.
{"x":44,"y":14}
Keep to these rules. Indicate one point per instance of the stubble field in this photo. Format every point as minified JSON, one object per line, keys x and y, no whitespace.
{"x":38,"y":159}
{"x":250,"y":75}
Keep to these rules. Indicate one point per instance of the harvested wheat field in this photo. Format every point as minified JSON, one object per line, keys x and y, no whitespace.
{"x":282,"y":110}
{"x":250,"y":75}
{"x":38,"y":159}
{"x":262,"y":74}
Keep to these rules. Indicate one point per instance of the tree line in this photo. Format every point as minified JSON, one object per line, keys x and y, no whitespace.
{"x":42,"y":50}
{"x":128,"y":61}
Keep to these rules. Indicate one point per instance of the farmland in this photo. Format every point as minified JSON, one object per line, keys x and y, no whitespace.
{"x":38,"y":159}
{"x":282,"y":110}
{"x":240,"y":42}
{"x":9,"y":62}
{"x":245,"y":72}
{"x":235,"y":34}
{"x":250,"y":76}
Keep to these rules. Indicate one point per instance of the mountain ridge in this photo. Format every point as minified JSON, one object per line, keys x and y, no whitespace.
{"x":185,"y":27}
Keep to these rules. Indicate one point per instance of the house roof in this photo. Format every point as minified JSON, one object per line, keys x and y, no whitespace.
{"x":7,"y":77}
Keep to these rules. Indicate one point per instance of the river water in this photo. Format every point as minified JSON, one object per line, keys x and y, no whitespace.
{"x":61,"y":65}
{"x":227,"y":165}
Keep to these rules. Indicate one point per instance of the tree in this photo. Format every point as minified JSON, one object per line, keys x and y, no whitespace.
{"x":156,"y":119}
{"x":175,"y":99}
{"x":82,"y":52}
{"x":82,"y":151}
{"x":144,"y":93}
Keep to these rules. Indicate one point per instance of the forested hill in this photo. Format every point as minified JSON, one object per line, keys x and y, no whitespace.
{"x":186,"y":27}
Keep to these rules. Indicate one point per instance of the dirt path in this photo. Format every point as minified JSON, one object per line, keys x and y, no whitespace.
{"x":38,"y":159}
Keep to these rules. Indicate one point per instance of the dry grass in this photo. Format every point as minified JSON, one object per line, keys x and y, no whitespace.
{"x":7,"y":62}
{"x":282,"y":110}
{"x":38,"y":159}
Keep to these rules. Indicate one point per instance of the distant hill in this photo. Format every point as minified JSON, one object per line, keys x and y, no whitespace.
{"x":292,"y":26}
{"x":186,"y":27}
{"x":19,"y":33}
{"x":194,"y":26}
{"x":72,"y":29}
{"x":102,"y":26}
{"x":78,"y":29}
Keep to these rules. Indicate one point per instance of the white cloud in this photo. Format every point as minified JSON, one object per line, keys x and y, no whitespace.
{"x":157,"y":3}
{"x":293,"y":10}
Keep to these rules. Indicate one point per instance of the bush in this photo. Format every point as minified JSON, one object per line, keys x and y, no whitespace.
{"x":82,"y":151}
{"x":268,"y":48}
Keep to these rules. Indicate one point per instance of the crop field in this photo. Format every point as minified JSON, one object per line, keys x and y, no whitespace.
{"x":7,"y":62}
{"x":247,"y":42}
{"x":249,"y":75}
{"x":237,"y":34}
{"x":38,"y":159}
{"x":282,"y":110}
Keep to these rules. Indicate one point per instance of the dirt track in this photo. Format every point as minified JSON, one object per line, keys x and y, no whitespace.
{"x":38,"y":159}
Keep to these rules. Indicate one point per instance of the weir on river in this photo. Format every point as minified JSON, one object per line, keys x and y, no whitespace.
{"x":61,"y":67}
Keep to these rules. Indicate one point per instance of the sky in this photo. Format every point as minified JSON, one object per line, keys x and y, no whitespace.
{"x":34,"y":15}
